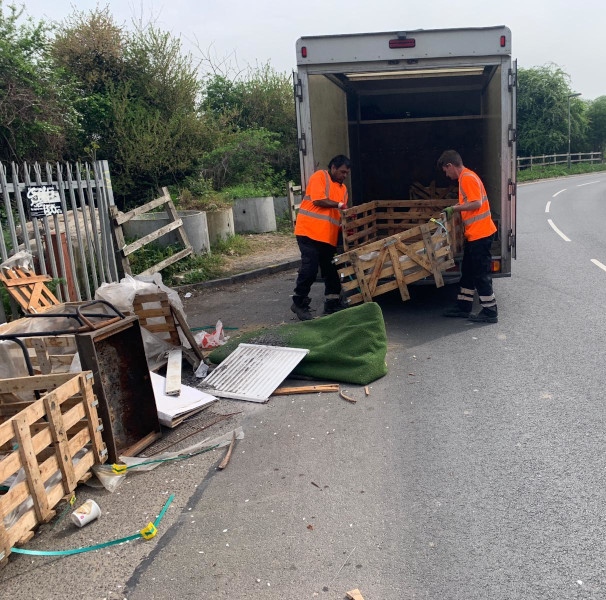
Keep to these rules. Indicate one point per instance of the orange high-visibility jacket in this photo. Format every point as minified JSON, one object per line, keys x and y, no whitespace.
{"x":478,"y":223}
{"x":321,"y":224}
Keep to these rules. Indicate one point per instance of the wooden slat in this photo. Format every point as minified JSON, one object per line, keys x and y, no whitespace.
{"x":395,"y":261}
{"x":57,"y":430}
{"x":168,"y":261}
{"x":30,"y":467}
{"x":173,"y":372}
{"x":431,"y":257}
{"x":306,"y":389}
{"x":150,"y":237}
{"x":121,"y":218}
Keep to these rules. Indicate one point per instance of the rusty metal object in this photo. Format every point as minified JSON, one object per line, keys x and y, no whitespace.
{"x":122,"y":384}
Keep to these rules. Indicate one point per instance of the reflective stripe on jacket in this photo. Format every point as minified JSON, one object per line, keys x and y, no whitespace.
{"x":478,"y":223}
{"x":317,"y":223}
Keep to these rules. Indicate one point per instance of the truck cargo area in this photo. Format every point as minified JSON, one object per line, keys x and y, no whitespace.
{"x":398,"y":124}
{"x":393,"y":102}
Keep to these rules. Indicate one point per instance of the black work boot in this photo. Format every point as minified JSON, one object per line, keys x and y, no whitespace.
{"x":300,"y":306}
{"x":486,"y":315}
{"x":333,"y":305}
{"x":458,"y":311}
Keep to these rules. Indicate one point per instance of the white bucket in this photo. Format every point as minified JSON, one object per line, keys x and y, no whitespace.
{"x":86,"y":513}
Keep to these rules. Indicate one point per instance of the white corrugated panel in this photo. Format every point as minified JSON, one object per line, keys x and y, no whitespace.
{"x":253,"y":372}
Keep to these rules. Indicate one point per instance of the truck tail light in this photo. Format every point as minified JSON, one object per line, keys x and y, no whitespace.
{"x":407,"y":43}
{"x":503,"y":41}
{"x":495,"y":266}
{"x":304,"y":51}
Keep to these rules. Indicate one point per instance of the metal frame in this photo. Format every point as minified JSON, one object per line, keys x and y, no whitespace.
{"x":84,"y":190}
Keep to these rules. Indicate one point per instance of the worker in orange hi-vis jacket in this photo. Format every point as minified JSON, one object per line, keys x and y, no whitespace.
{"x":479,"y":232}
{"x":317,"y":231}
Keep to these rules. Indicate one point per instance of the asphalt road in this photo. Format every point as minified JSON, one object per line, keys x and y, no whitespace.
{"x":474,"y":470}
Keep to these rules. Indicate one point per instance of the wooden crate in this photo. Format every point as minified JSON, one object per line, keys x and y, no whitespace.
{"x":394,"y":262}
{"x":41,"y":436}
{"x":382,"y":218}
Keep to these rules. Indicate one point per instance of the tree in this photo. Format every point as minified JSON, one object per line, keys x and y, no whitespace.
{"x":596,"y":115}
{"x":36,"y":104}
{"x":543,"y":112}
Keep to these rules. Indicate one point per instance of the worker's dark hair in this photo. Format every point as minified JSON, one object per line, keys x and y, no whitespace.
{"x":450,"y":156}
{"x":339,"y":161}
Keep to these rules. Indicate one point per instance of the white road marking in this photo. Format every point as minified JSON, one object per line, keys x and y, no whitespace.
{"x":558,"y":193}
{"x":547,"y":206}
{"x":566,"y":239}
{"x":589,"y":183}
{"x":597,"y":263}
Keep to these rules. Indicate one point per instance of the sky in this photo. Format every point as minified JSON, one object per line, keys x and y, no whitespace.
{"x":569,"y":34}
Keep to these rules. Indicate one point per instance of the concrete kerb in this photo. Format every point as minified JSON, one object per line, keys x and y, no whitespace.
{"x":241,"y":277}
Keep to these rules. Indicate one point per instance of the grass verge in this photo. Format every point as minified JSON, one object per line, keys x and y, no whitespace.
{"x":197,"y":268}
{"x":557,"y":171}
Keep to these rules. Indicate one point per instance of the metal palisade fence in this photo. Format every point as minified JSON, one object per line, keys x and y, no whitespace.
{"x":60,"y":214}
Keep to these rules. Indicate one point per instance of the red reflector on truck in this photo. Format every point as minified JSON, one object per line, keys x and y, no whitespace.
{"x":408,"y":43}
{"x":503,"y":40}
{"x":495,"y":266}
{"x":304,"y":51}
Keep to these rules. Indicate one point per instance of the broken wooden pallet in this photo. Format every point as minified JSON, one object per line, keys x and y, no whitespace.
{"x":44,"y":438}
{"x":396,"y":261}
{"x":28,"y":289}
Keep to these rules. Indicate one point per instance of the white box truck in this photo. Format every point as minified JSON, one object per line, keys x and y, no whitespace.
{"x":394,"y":101}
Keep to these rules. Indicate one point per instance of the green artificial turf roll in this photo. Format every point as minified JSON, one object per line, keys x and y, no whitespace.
{"x":348,"y":346}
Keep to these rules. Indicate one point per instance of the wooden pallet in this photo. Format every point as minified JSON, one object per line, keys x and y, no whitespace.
{"x":28,"y":289}
{"x":176,"y":225}
{"x":382,"y":218}
{"x":42,"y":436}
{"x":396,"y":261}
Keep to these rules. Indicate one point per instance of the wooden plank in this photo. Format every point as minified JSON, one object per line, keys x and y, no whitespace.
{"x":120,"y":218}
{"x":150,"y":237}
{"x":376,"y":272}
{"x":44,"y":362}
{"x":306,"y":389}
{"x":57,"y":430}
{"x":173,"y":372}
{"x":395,"y":261}
{"x":172,"y":213}
{"x":412,"y":254}
{"x":362,"y":283}
{"x":30,"y":467}
{"x":120,"y":241}
{"x":168,"y":261}
{"x":355,"y":595}
{"x":26,"y":279}
{"x":186,"y":332}
{"x":225,"y":461}
{"x":150,"y":313}
{"x":37,"y":382}
{"x":431,"y":256}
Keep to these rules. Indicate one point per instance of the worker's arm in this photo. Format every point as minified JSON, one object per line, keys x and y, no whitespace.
{"x":326,"y":203}
{"x":467,"y":206}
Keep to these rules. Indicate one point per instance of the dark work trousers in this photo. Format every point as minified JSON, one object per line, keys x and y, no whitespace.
{"x":475,"y":275}
{"x":316,"y":254}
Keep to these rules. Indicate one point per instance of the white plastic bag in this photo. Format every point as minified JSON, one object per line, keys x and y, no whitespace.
{"x":204,"y":339}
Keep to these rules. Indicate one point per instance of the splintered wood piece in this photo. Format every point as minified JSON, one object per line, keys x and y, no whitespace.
{"x":306,"y":389}
{"x":346,"y":397}
{"x":355,"y":595}
{"x":173,"y":372}
{"x":225,"y":461}
{"x":366,"y":390}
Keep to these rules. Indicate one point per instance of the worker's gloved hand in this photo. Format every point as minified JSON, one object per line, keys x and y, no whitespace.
{"x":448,"y":212}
